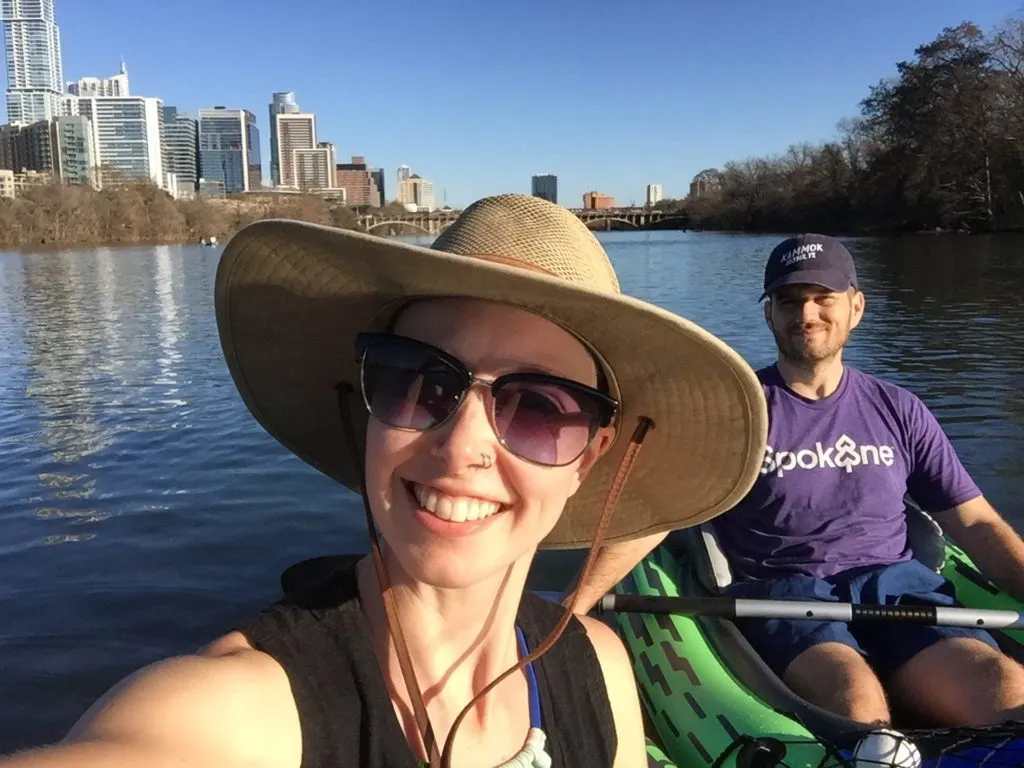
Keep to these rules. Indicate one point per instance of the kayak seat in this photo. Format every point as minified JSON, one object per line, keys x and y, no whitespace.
{"x":709,"y":573}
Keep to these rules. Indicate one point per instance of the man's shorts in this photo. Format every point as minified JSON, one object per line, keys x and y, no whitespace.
{"x":886,"y":645}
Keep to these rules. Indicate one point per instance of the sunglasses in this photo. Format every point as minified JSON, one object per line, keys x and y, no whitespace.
{"x":543,"y":419}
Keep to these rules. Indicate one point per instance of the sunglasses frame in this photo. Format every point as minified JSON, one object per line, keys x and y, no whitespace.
{"x":608,"y":406}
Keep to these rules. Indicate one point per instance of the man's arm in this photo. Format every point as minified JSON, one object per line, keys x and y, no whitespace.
{"x":993,"y":545}
{"x":938,"y":480}
{"x":611,"y":564}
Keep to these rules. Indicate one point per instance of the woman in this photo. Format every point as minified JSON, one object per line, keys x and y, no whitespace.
{"x":486,"y":396}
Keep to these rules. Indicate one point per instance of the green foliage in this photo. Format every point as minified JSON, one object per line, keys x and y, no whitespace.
{"x":940,"y":145}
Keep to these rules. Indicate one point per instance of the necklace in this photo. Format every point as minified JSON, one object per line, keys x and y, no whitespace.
{"x":533,"y":754}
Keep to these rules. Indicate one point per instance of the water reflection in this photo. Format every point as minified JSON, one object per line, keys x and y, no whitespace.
{"x":108,"y":309}
{"x":59,"y":295}
{"x":102,"y":360}
{"x":168,"y":292}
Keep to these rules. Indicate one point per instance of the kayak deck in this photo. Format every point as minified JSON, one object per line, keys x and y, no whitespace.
{"x":711,"y":700}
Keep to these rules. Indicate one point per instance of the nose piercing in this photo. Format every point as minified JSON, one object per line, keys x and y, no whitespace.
{"x":486,"y":460}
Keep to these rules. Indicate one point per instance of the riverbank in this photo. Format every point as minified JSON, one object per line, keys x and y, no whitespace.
{"x":54,"y":218}
{"x":57,"y":216}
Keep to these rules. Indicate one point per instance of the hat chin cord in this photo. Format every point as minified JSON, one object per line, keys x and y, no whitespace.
{"x":426,"y":733}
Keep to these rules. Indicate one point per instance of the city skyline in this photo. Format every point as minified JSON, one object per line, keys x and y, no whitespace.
{"x":656,"y":113}
{"x":93,"y":131}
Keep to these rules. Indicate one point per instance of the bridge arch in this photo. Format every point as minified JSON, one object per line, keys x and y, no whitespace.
{"x":398,"y":222}
{"x":602,"y":219}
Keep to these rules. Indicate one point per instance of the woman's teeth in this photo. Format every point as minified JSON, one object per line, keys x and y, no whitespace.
{"x":457,"y":509}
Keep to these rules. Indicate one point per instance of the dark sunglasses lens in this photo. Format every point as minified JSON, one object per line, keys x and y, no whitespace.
{"x":546,"y":423}
{"x":409,"y":388}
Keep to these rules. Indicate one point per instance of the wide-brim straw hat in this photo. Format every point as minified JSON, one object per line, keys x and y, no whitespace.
{"x":291,"y":297}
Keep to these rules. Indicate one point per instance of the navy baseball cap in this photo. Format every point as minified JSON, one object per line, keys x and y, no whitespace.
{"x":814,"y":259}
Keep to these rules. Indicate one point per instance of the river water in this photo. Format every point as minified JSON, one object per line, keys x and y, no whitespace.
{"x":142,"y":510}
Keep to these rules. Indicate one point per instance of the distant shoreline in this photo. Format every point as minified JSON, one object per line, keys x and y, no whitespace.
{"x":50,"y":248}
{"x":72,"y":217}
{"x":58,"y":217}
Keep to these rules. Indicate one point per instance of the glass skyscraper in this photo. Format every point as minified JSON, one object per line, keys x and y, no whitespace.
{"x":229,"y":149}
{"x":128,"y":137}
{"x":545,"y":186}
{"x":180,"y":148}
{"x":35,"y":77}
{"x":283,"y":104}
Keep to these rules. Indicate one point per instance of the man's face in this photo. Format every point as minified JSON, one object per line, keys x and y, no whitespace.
{"x":811,"y":323}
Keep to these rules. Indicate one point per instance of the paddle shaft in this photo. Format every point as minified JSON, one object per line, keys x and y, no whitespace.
{"x":749,"y":608}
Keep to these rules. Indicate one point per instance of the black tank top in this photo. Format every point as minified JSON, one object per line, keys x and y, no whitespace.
{"x":320,"y":636}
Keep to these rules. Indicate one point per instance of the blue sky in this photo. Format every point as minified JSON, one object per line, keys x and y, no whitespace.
{"x":477,"y":95}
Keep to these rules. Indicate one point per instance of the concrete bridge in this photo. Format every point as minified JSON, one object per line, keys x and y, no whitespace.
{"x":637,"y":218}
{"x":424,"y":223}
{"x":596,"y":219}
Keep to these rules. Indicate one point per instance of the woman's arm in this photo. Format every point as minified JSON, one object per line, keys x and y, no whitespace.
{"x":229,"y":706}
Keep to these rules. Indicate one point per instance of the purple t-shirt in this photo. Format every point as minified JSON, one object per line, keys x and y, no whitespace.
{"x":831,"y":492}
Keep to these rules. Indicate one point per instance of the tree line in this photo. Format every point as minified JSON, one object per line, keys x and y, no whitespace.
{"x":64,"y":215}
{"x":940,"y":145}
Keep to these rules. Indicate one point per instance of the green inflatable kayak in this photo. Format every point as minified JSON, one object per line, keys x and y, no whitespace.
{"x":711,"y":701}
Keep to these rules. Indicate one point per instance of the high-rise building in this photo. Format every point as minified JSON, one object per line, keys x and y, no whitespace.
{"x":127,"y":137}
{"x":253,"y":153}
{"x":116,"y":85}
{"x":545,"y":186}
{"x":654,"y":194}
{"x":295,"y":131}
{"x":402,"y":174}
{"x":378,"y":175}
{"x":27,"y":147}
{"x":74,"y":151}
{"x":425,"y":195}
{"x":313,"y":168}
{"x":416,"y":193}
{"x":360,"y":182}
{"x":35,"y":76}
{"x":282,"y":103}
{"x":332,"y":158}
{"x":598,"y":201}
{"x":229,"y":149}
{"x":68,"y":104}
{"x":181,"y":149}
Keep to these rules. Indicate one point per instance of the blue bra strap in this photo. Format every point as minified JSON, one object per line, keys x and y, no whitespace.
{"x":531,"y":682}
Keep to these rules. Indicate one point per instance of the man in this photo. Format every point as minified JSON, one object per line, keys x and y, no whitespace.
{"x":825,"y":520}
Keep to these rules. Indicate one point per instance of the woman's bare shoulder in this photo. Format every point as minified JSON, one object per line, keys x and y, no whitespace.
{"x":622,"y":692}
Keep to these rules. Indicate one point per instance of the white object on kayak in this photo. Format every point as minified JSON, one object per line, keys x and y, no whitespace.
{"x":532,"y":755}
{"x":886,"y":748}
